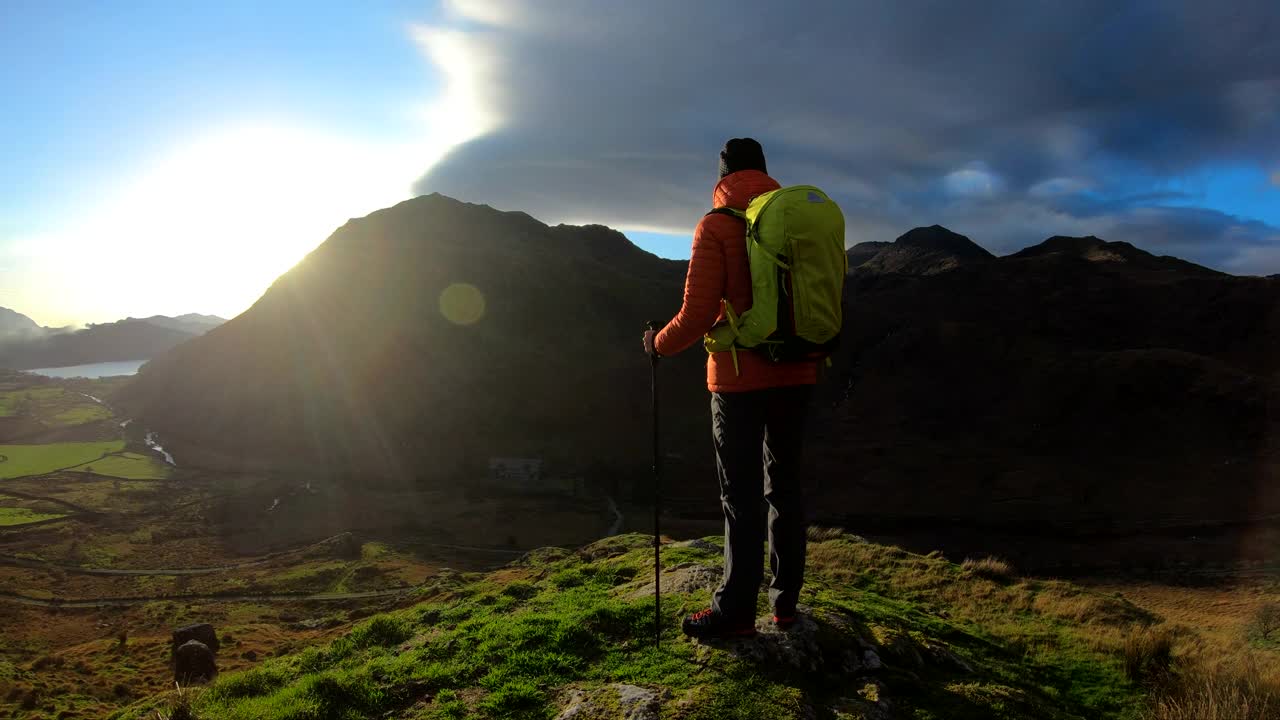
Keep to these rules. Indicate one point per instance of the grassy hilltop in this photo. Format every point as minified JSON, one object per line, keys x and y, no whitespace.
{"x":564,"y":634}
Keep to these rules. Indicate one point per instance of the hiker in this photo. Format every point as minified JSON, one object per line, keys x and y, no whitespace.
{"x":756,"y":403}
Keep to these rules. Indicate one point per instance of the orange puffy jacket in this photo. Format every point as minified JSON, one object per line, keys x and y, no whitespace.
{"x":717,"y":270}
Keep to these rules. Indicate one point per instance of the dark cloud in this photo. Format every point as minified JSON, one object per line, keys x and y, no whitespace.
{"x":1010,"y":120}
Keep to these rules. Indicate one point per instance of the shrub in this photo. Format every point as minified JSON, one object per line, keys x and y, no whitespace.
{"x":991,"y":568}
{"x":1266,"y":621}
{"x":381,"y":631}
{"x":520,"y":590}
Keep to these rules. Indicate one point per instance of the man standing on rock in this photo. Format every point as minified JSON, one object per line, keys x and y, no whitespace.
{"x":758,"y":409}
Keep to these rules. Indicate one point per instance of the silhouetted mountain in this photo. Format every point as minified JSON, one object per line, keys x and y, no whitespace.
{"x":1095,"y":250}
{"x":926,"y":251}
{"x":193,"y":323}
{"x":1075,"y":386}
{"x":1048,"y":391}
{"x":16,"y":326}
{"x":862,"y":252}
{"x":424,"y":339}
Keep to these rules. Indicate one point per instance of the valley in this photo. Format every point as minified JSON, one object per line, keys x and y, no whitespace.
{"x":105,"y":548}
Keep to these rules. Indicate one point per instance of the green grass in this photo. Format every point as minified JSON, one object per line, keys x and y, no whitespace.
{"x":508,"y":645}
{"x":24,"y":460}
{"x":82,"y":414}
{"x":53,"y":406}
{"x":10,"y":516}
{"x":127,"y":465}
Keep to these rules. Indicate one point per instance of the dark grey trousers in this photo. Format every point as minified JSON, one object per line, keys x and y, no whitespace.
{"x":758,"y":438}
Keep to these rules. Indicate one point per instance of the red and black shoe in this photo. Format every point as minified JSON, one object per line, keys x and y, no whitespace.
{"x":784,"y":622}
{"x":710,"y":624}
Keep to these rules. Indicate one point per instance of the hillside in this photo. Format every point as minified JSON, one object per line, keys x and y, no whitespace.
{"x":419,"y":342}
{"x":1075,"y":388}
{"x":16,"y":326}
{"x":123,"y":340}
{"x":886,"y":634}
{"x":128,"y":339}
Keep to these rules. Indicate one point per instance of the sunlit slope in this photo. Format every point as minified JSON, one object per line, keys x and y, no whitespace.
{"x":424,"y":339}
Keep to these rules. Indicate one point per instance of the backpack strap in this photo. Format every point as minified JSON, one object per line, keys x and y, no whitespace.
{"x":732,"y":212}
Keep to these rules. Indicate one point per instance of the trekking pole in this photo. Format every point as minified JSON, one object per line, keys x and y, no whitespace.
{"x":657,"y":500}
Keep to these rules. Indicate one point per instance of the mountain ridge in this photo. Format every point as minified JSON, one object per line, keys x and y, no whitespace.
{"x":128,"y":339}
{"x":1004,"y":371}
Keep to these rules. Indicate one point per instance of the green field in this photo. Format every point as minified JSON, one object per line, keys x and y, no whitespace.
{"x":54,"y":406}
{"x":23,"y":460}
{"x":130,"y":466}
{"x":82,"y":414}
{"x":10,"y":516}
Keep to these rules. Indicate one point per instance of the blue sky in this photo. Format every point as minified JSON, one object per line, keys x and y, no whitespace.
{"x":177,"y":157}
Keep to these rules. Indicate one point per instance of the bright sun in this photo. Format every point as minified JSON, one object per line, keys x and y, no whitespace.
{"x":213,"y":223}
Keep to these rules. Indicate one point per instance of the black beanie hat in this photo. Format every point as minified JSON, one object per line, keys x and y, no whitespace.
{"x":741,"y":154}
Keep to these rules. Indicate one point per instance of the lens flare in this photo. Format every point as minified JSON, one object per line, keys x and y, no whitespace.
{"x":462,"y":304}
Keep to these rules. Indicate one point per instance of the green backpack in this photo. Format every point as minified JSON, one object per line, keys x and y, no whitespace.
{"x":795,"y":247}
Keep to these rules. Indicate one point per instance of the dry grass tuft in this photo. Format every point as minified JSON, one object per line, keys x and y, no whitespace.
{"x":1232,"y":690}
{"x":181,"y":704}
{"x":991,"y":568}
{"x":822,"y":534}
{"x":1148,"y":655}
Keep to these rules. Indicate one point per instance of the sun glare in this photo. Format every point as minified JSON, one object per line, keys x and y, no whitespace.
{"x":214,"y":222}
{"x":209,"y":225}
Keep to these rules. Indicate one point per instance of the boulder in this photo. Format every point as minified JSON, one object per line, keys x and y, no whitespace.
{"x":202,"y":632}
{"x":683,"y":578}
{"x":193,"y":663}
{"x":617,"y":701}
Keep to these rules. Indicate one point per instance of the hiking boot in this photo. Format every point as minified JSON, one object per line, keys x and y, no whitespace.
{"x":784,"y":622}
{"x":711,"y":624}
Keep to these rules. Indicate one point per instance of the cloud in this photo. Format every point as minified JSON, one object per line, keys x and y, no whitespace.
{"x":1021,"y":120}
{"x":1275,"y":178}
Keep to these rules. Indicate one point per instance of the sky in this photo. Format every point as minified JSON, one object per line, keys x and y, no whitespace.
{"x":173,"y":157}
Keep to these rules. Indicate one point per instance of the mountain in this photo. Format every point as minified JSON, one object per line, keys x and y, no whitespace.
{"x":924,"y":251}
{"x":568,"y":634}
{"x":128,"y":339}
{"x":1077,"y":388}
{"x":1095,"y":250}
{"x":1051,"y":394}
{"x":192,"y":323}
{"x":122,"y":340}
{"x":16,"y":326}
{"x":862,"y":252}
{"x":425,"y":339}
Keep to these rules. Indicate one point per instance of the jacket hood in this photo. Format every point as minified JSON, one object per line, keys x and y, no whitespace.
{"x":735,"y":190}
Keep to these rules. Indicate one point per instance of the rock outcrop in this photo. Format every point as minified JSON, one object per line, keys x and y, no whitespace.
{"x":194,"y":663}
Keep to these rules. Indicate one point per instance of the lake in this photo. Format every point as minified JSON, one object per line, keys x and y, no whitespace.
{"x":93,"y":370}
